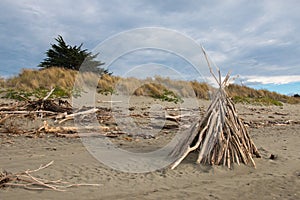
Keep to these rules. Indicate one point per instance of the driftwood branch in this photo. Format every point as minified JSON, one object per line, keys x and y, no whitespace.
{"x":25,"y":112}
{"x":67,"y":117}
{"x":26,"y":180}
{"x":84,"y":131}
{"x":49,"y":94}
{"x":209,"y":65}
{"x":101,"y":101}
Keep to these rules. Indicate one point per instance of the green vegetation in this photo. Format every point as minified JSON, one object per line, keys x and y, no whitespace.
{"x":71,"y":57}
{"x":169,"y":96}
{"x":256,"y":101}
{"x":106,"y":91}
{"x":17,"y":95}
{"x":37,"y":93}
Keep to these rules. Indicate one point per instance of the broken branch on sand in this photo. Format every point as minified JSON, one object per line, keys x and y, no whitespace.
{"x":26,"y":180}
{"x":84,"y":131}
{"x":65,"y":129}
{"x":67,"y":117}
{"x":28,"y":112}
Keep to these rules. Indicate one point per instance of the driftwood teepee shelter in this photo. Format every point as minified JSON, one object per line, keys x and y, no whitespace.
{"x":220,"y":137}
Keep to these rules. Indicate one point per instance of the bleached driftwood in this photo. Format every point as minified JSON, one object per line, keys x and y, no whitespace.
{"x":27,"y":181}
{"x":25,"y":112}
{"x":66,"y":117}
{"x":85,"y":131}
{"x":176,"y":118}
{"x":49,"y":94}
{"x":101,"y":101}
{"x":71,"y":129}
{"x":220,"y":136}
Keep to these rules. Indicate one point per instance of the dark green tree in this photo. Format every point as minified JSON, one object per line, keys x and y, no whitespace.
{"x":66,"y":56}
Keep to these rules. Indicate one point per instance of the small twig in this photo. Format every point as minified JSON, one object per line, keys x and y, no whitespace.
{"x":40,"y":168}
{"x":4,"y":118}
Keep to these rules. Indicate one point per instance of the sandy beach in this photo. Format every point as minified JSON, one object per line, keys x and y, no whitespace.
{"x":274,"y":130}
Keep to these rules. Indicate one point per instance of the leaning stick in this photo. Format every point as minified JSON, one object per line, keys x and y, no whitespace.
{"x":208,"y":63}
{"x":189,"y":149}
{"x":49,"y":94}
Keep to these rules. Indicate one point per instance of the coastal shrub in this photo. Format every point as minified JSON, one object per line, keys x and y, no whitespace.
{"x":66,"y":56}
{"x":169,"y":96}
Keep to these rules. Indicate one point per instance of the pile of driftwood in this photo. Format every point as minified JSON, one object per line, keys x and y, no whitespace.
{"x":26,"y":180}
{"x":52,"y":116}
{"x":220,"y":137}
{"x":53,"y":113}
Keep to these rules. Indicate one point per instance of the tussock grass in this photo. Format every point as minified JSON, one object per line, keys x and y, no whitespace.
{"x":30,"y":79}
{"x":244,"y":94}
{"x":201,"y":89}
{"x":2,"y":82}
{"x":37,"y":82}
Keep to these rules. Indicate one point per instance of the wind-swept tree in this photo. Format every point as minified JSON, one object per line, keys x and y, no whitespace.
{"x":71,"y":57}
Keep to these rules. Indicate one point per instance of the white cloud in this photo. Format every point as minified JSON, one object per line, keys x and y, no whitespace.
{"x":269,"y":79}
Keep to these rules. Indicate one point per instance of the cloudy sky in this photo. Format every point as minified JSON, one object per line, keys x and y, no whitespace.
{"x":257,"y":40}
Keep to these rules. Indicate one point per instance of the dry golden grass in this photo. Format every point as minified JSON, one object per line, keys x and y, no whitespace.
{"x":31,"y":80}
{"x":2,"y":82}
{"x":247,"y":92}
{"x":201,"y":89}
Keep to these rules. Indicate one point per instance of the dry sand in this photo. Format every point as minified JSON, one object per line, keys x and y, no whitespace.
{"x":272,"y":179}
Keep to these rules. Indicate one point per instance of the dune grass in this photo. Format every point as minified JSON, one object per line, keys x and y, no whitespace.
{"x":30,"y":79}
{"x":244,"y":94}
{"x":2,"y":82}
{"x":36,"y":83}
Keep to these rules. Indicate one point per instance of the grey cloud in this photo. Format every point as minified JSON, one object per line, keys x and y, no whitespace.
{"x":248,"y":37}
